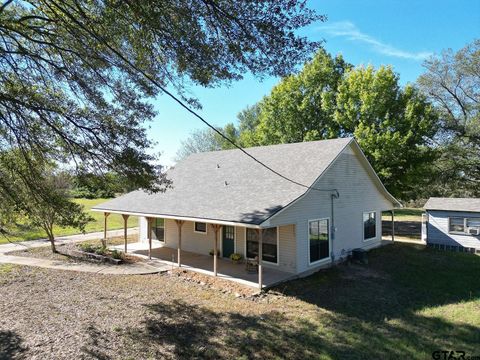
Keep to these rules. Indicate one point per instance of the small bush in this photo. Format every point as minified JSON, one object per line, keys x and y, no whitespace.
{"x":89,"y":248}
{"x":116,"y":254}
{"x":101,"y":251}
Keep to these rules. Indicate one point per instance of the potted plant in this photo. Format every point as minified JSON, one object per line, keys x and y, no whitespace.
{"x":236,"y":258}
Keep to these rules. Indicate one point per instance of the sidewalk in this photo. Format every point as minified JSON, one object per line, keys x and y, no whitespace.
{"x":124,"y":269}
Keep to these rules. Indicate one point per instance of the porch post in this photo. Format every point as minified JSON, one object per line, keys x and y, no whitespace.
{"x":149,"y":229}
{"x":105,"y":214}
{"x":125,"y":220}
{"x":393,"y":225}
{"x":260,"y":255}
{"x":179,"y":249}
{"x":216,"y":227}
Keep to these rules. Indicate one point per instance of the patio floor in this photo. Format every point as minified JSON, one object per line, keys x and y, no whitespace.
{"x":204,"y":264}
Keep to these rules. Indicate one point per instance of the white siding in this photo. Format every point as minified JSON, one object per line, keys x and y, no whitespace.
{"x":240,"y":240}
{"x":358,"y":194}
{"x":287,"y":248}
{"x":437,"y":230}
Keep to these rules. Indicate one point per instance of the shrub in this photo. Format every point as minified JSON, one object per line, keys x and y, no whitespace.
{"x":89,"y":248}
{"x":101,"y":251}
{"x":116,"y":254}
{"x":236,"y":257}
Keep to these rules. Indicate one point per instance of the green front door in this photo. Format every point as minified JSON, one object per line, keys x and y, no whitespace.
{"x":228,"y":241}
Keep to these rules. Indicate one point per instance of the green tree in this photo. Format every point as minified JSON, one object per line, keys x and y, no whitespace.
{"x":76,"y":76}
{"x":202,"y":140}
{"x":301,"y":106}
{"x":48,"y":205}
{"x":452,"y":83}
{"x":393,"y":125}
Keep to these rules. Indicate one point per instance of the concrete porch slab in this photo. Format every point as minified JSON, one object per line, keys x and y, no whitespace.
{"x":226,"y":269}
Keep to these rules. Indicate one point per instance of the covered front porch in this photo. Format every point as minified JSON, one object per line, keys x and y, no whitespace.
{"x":204,"y":264}
{"x":186,"y":244}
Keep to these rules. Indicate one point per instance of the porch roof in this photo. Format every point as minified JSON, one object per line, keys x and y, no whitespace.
{"x":228,"y":186}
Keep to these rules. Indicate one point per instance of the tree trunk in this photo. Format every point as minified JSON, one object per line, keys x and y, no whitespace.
{"x":49,"y":230}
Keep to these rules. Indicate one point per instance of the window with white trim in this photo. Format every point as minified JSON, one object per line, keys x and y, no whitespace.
{"x":158,"y":229}
{"x":269,"y":244}
{"x":319,"y":238}
{"x":456,"y":225}
{"x":200,"y":227}
{"x":462,"y":225}
{"x":369,"y":225}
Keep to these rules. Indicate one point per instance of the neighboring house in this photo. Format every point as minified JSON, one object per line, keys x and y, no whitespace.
{"x":452,"y":223}
{"x":228,"y":196}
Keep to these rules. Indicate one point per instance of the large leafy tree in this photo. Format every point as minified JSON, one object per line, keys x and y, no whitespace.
{"x":328,"y":98}
{"x":75,"y":76}
{"x":393,"y":125}
{"x":452,"y":83}
{"x":301,"y":106}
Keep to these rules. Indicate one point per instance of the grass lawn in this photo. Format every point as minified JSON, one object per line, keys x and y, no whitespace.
{"x":115,"y":221}
{"x":405,"y":214}
{"x":408,"y":302}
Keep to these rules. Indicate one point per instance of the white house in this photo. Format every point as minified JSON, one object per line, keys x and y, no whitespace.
{"x":225,"y":200}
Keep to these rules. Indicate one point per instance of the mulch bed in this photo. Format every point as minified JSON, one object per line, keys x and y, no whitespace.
{"x":65,"y":253}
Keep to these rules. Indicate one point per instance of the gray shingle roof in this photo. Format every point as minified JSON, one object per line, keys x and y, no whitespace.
{"x":453,"y":204}
{"x":229,"y":186}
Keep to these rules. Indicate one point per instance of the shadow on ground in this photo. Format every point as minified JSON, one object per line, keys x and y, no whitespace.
{"x":11,"y":347}
{"x":380,"y":310}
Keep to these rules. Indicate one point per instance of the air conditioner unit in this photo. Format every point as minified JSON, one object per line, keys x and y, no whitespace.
{"x":474,"y":231}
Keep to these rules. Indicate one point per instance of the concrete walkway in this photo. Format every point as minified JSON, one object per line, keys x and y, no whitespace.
{"x":124,"y":269}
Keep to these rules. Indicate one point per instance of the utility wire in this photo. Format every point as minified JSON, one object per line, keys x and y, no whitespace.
{"x":183,"y":105}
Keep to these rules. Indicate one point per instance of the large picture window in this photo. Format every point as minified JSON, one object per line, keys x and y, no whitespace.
{"x":158,"y":229}
{"x":369,"y":225}
{"x":319,"y":238}
{"x":200,"y":227}
{"x":269,"y":244}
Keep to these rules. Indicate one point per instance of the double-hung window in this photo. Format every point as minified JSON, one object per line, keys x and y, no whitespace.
{"x":158,"y":229}
{"x":369,"y":225}
{"x":319,"y":238}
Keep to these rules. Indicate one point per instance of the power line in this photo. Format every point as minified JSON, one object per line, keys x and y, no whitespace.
{"x":191,"y":111}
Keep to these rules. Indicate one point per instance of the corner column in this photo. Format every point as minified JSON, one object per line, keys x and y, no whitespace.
{"x":149,"y":230}
{"x":260,"y":255}
{"x":125,"y":221}
{"x":105,"y":214}
{"x":216,"y":229}
{"x":179,"y":249}
{"x":393,"y":225}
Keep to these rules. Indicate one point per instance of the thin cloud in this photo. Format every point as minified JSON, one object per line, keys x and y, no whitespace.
{"x":349,"y":31}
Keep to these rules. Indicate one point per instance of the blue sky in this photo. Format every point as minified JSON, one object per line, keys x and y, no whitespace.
{"x":400,"y":33}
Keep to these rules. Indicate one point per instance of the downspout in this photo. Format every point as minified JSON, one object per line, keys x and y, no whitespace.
{"x":334,"y":196}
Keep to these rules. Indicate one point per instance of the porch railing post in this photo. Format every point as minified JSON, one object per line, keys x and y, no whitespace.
{"x":125,"y":220}
{"x":105,"y":214}
{"x":149,"y":230}
{"x":216,"y":228}
{"x":260,"y":254}
{"x":179,"y":249}
{"x":393,"y":226}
